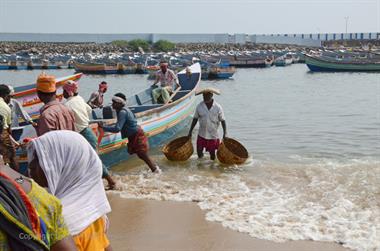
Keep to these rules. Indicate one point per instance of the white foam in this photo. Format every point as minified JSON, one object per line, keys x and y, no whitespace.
{"x":322,"y":202}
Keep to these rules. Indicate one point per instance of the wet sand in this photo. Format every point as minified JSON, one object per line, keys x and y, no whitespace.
{"x":149,"y":225}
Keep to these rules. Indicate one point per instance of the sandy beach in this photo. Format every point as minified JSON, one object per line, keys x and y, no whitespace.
{"x":162,"y":225}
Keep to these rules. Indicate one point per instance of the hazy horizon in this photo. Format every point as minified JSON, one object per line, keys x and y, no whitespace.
{"x":197,"y":16}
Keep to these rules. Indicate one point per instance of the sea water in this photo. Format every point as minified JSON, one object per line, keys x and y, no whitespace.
{"x":314,"y":166}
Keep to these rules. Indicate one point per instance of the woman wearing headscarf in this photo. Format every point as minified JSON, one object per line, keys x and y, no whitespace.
{"x":66,"y":164}
{"x":30,"y":217}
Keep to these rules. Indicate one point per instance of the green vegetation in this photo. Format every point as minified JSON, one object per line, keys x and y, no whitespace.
{"x":120,"y":43}
{"x":136,"y":43}
{"x":164,"y":45}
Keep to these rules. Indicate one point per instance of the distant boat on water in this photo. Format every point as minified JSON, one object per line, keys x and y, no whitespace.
{"x":321,"y":63}
{"x":284,"y":60}
{"x":30,"y":65}
{"x":119,"y":68}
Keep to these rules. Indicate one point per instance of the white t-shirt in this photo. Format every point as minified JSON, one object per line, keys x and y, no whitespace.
{"x":209,"y":120}
{"x":82,"y":112}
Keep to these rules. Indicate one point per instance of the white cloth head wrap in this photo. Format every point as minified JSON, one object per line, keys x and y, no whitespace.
{"x":119,"y":100}
{"x":74,"y":174}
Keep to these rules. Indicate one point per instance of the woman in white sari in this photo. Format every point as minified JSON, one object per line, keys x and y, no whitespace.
{"x":65,"y":163}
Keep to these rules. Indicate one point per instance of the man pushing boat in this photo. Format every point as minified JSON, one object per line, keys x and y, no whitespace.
{"x":210,"y":114}
{"x":127,"y":125}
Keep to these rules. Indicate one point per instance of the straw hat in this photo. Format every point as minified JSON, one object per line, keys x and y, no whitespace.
{"x":207,"y":90}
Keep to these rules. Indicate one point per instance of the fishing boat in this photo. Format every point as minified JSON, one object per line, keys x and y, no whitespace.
{"x":160,"y":122}
{"x":95,"y":68}
{"x":221,"y":72}
{"x":284,"y":60}
{"x":329,"y":64}
{"x":4,"y":66}
{"x":128,"y":68}
{"x":252,"y":62}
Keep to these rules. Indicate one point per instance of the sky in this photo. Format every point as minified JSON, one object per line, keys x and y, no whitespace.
{"x":190,"y":16}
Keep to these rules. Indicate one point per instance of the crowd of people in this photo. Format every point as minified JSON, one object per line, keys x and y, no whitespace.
{"x":71,"y":214}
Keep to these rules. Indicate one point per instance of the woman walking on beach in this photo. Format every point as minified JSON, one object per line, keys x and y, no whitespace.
{"x":30,"y":217}
{"x":127,"y":125}
{"x":65,"y":163}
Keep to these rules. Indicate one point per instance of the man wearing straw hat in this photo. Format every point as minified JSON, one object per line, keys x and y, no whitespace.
{"x":169,"y":82}
{"x":210,"y":114}
{"x":54,"y":115}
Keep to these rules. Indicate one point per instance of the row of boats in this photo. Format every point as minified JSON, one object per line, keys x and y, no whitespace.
{"x":213,"y":65}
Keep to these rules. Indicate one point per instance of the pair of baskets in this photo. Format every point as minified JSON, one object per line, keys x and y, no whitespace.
{"x":229,"y":152}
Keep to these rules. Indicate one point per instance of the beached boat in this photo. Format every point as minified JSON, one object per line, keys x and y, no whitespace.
{"x":160,"y":122}
{"x":329,"y":64}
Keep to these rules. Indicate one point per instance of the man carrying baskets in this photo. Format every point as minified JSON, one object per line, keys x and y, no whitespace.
{"x":210,"y":114}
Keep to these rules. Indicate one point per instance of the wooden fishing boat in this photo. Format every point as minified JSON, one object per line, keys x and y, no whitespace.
{"x":329,"y":64}
{"x":221,"y":72}
{"x":4,"y":66}
{"x":95,"y":68}
{"x":252,"y":62}
{"x":161,"y":122}
{"x":284,"y":60}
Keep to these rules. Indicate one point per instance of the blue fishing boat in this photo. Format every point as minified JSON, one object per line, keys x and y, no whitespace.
{"x":161,"y":122}
{"x":4,"y":67}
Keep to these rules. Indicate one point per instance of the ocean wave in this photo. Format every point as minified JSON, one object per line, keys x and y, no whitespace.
{"x":326,"y":201}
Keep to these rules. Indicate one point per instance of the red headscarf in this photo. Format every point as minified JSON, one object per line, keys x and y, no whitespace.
{"x":71,"y":87}
{"x":103,"y":86}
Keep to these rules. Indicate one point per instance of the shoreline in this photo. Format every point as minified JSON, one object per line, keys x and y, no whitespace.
{"x":139,"y":224}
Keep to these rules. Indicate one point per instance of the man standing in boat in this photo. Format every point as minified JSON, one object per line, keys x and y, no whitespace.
{"x":54,"y":115}
{"x":96,"y":98}
{"x":82,"y":112}
{"x":18,"y":111}
{"x":210,"y":114}
{"x":127,"y":125}
{"x":169,"y":82}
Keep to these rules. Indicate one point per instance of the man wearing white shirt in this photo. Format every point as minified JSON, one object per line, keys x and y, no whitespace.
{"x":210,"y":115}
{"x":82,"y":112}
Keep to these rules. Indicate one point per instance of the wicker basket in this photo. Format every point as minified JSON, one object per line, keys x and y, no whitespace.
{"x":179,"y":149}
{"x":231,"y":152}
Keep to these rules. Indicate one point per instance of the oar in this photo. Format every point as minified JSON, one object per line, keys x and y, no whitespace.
{"x":172,"y":96}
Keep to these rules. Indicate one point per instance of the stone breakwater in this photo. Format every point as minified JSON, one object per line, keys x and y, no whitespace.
{"x":38,"y":48}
